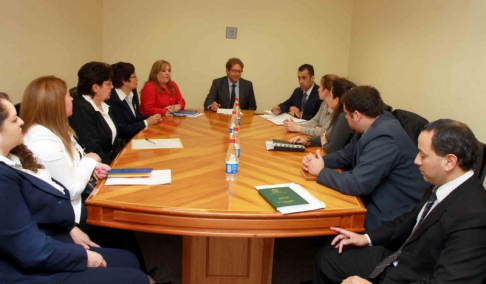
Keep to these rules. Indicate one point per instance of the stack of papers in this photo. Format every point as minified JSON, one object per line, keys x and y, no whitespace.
{"x":186,"y":113}
{"x":312,"y":203}
{"x":279,"y":119}
{"x":227,"y":111}
{"x":156,"y":177}
{"x":156,"y":143}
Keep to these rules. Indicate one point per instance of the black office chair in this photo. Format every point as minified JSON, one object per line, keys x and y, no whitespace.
{"x":73,"y":92}
{"x":411,"y":122}
{"x":480,"y":169}
{"x":17,"y":108}
{"x":388,"y":108}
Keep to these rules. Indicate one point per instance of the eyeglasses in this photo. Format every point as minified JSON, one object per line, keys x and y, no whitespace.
{"x":236,"y":71}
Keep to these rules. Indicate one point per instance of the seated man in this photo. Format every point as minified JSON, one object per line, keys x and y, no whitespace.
{"x":441,"y":241}
{"x":383,"y":173}
{"x":304,"y":102}
{"x":224,"y":90}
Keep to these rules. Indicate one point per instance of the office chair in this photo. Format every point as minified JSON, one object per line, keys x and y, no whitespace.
{"x":480,"y":169}
{"x":411,"y":122}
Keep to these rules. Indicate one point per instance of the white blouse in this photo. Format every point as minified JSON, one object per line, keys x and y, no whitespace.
{"x":73,"y":174}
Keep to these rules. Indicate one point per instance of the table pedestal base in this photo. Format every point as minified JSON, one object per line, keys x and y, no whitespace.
{"x":214,"y":260}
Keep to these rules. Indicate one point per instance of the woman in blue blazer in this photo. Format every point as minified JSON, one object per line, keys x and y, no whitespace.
{"x":39,"y":242}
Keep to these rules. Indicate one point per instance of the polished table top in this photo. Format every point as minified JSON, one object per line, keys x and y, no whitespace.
{"x":200,"y":202}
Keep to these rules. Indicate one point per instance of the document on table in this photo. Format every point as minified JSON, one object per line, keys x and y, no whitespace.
{"x":156,"y":143}
{"x":313,"y":203}
{"x":156,"y":177}
{"x":225,"y":111}
{"x":279,"y":119}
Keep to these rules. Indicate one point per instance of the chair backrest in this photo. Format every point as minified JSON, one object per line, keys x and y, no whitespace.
{"x":17,"y":108}
{"x":388,"y":108}
{"x":480,"y":169}
{"x":411,"y":122}
{"x":73,"y":92}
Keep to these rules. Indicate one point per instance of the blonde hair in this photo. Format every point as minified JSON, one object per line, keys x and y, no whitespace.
{"x":44,"y":103}
{"x":156,"y":67}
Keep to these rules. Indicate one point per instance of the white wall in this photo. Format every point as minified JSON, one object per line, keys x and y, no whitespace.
{"x":428,"y":57}
{"x":53,"y":37}
{"x":274,"y":39}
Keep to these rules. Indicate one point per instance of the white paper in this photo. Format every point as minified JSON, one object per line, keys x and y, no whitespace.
{"x":156,"y":177}
{"x":225,"y":111}
{"x":269,"y":145}
{"x":156,"y":143}
{"x":314,"y":203}
{"x":279,"y":119}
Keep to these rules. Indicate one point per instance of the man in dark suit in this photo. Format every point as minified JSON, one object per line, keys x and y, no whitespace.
{"x":441,"y":241}
{"x":124,"y":103}
{"x":382,"y":171}
{"x":304,"y":102}
{"x":224,"y":90}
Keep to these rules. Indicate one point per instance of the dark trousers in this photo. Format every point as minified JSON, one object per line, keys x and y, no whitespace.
{"x":112,"y":238}
{"x":122,"y":268}
{"x":332,"y":267}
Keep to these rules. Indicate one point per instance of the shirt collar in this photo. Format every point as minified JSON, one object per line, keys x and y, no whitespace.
{"x":231,"y":83}
{"x":11,"y":161}
{"x":104,"y":106}
{"x":310,"y":89}
{"x":122,"y":94}
{"x":444,"y":190}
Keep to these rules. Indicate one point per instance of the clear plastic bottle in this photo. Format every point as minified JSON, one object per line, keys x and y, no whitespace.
{"x":236,"y":109}
{"x":236,"y":135}
{"x":232,"y":122}
{"x":231,"y":161}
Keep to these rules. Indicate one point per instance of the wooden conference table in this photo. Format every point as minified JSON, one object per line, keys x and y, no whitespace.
{"x":228,"y":229}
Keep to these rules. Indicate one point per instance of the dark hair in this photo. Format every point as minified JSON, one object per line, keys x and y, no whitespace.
{"x":307,"y":67}
{"x":122,"y":71}
{"x":233,"y":61}
{"x":21,"y":151}
{"x":339,"y":88}
{"x":93,"y":73}
{"x":365,"y":99}
{"x":456,"y":138}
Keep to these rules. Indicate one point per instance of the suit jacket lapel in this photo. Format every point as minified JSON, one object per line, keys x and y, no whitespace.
{"x":242,"y":91}
{"x":225,"y":99}
{"x":436,"y":213}
{"x":104,"y":124}
{"x":42,"y":185}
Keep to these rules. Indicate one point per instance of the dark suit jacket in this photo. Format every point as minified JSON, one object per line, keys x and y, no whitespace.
{"x":311,"y":107}
{"x":220,"y":93}
{"x":383,"y":171}
{"x":450,"y":244}
{"x":93,"y":132}
{"x":35,"y":220}
{"x":127,"y":124}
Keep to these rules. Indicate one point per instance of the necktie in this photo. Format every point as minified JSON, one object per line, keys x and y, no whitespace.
{"x":394,"y":256}
{"x":304,"y":102}
{"x":233,"y":94}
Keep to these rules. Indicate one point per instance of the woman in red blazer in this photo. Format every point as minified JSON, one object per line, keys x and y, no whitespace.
{"x":160,"y":94}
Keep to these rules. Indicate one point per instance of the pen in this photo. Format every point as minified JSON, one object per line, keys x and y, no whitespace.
{"x":150,"y":141}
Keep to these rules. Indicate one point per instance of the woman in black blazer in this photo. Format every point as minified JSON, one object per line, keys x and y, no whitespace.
{"x":124,"y":103}
{"x":92,"y":119}
{"x":39,"y":242}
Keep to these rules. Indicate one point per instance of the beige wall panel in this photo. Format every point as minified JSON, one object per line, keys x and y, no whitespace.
{"x":52,"y":37}
{"x":274,"y":39}
{"x":425,"y":56}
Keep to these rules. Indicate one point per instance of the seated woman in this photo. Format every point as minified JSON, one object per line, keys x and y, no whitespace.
{"x":160,"y":94}
{"x":39,"y":240}
{"x":92,"y":119}
{"x":46,"y":106}
{"x":339,"y":133}
{"x":124,"y":103}
{"x":320,"y":122}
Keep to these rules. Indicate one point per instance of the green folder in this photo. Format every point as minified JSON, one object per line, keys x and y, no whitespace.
{"x":281,"y":197}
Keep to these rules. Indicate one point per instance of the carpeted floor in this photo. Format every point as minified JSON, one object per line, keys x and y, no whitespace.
{"x":293,"y":258}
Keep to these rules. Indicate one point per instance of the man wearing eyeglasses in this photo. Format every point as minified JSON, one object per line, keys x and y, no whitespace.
{"x":304,"y":102}
{"x":224,"y":90}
